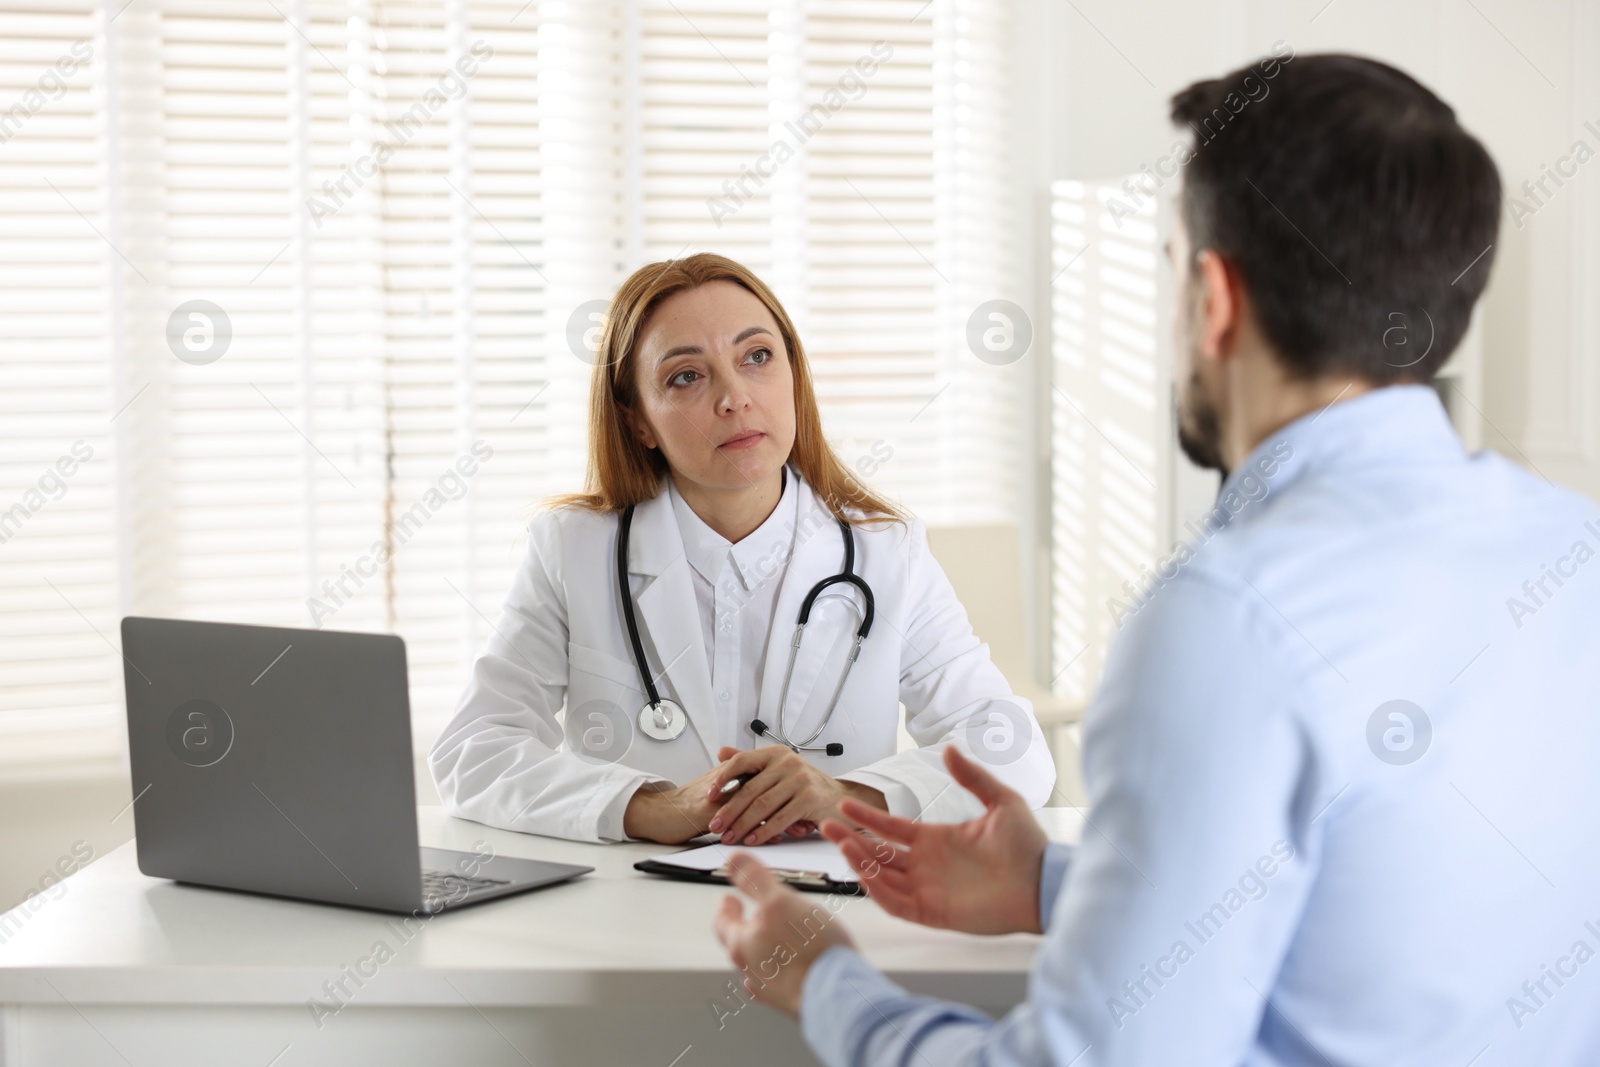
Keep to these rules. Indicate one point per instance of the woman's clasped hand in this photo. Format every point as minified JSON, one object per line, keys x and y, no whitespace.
{"x":781,"y":795}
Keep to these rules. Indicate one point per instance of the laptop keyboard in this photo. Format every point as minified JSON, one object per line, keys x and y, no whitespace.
{"x":449,"y":887}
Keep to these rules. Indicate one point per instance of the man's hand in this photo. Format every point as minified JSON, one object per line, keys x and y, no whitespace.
{"x":980,"y":876}
{"x":787,"y":795}
{"x":775,"y":945}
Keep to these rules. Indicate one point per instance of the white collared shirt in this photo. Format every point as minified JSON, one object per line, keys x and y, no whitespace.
{"x":736,"y":590}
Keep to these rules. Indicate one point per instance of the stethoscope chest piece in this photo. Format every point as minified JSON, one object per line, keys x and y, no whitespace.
{"x":663,"y":720}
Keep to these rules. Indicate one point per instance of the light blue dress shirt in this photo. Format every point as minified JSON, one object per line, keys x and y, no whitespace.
{"x":1344,"y":776}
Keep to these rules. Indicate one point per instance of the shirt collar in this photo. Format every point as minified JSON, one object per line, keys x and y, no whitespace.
{"x":1390,"y":424}
{"x":753,"y":556}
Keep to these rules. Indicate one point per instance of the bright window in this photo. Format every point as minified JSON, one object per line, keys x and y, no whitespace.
{"x":288,"y":288}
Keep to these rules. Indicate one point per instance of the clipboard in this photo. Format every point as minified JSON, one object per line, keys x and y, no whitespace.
{"x":811,"y":865}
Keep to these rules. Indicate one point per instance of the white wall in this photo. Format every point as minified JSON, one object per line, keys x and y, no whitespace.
{"x":1524,"y":77}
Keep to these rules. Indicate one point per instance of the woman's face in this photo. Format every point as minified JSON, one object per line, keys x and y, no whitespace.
{"x":715,"y":387}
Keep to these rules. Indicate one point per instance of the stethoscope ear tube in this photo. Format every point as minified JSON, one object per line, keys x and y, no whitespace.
{"x":842,"y":579}
{"x":623,"y":529}
{"x":848,"y":577}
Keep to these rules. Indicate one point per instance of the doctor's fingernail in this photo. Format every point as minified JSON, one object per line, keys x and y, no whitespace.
{"x":716,"y":824}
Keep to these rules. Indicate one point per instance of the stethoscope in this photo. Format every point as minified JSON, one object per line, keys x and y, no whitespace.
{"x":665,"y":719}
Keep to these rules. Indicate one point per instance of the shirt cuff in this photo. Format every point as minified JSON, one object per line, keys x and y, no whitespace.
{"x":899,"y":796}
{"x":608,"y":827}
{"x":1057,"y":858}
{"x":838,"y":990}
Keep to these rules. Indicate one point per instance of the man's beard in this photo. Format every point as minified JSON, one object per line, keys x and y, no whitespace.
{"x":1199,"y":431}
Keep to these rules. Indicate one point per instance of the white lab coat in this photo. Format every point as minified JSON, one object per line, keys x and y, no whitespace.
{"x":510,"y":758}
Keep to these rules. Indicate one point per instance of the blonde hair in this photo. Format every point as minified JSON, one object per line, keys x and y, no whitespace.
{"x":622,"y":471}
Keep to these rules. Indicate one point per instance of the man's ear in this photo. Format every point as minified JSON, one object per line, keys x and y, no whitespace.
{"x":1221,"y":303}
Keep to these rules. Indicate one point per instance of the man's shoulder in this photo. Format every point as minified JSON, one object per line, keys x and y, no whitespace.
{"x":1339,"y":524}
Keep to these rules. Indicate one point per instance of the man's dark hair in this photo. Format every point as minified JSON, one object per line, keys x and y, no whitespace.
{"x":1355,"y":207}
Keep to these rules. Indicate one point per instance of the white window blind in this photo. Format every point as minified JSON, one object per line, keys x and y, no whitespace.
{"x":60,"y":520}
{"x":392,"y":211}
{"x":1111,"y":422}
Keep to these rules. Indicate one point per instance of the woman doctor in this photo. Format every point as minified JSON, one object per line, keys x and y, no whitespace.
{"x":706,"y":443}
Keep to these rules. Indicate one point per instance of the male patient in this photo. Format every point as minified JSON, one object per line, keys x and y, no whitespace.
{"x":1342,"y":767}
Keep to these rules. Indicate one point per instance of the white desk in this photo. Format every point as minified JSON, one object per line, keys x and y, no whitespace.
{"x":616,"y":968}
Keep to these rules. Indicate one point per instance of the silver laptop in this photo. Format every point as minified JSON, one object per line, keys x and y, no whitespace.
{"x":278,"y":761}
